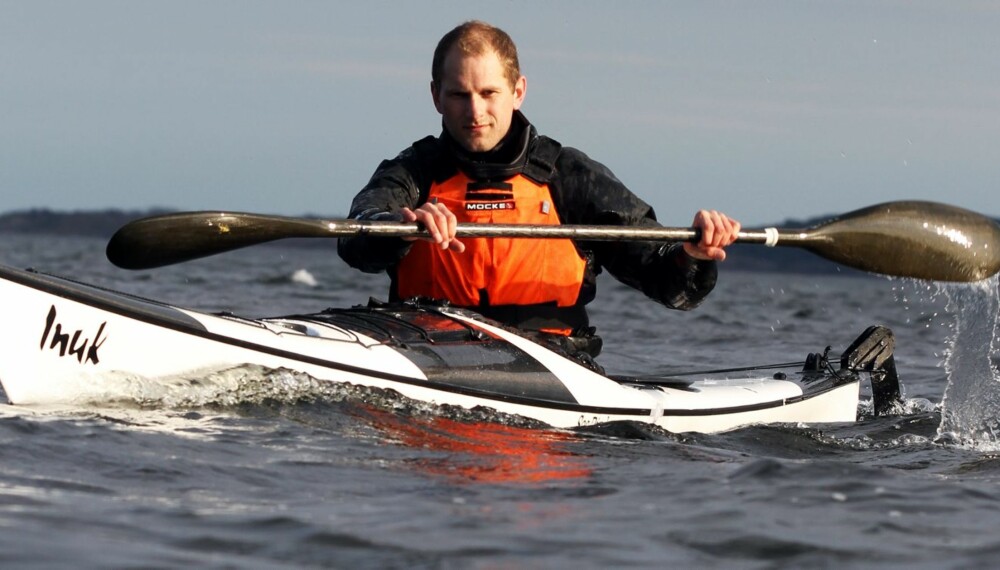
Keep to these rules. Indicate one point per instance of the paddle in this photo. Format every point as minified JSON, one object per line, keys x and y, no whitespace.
{"x":925,"y":240}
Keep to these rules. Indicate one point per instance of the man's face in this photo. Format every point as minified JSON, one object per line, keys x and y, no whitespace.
{"x":476,"y":100}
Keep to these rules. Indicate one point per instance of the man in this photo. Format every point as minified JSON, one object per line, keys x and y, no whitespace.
{"x":489,"y":165}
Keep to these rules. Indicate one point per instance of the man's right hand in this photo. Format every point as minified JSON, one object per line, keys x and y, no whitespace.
{"x":439,"y":221}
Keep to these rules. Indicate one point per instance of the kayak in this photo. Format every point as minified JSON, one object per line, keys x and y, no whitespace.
{"x":64,"y":339}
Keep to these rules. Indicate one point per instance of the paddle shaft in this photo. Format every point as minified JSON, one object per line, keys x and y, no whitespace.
{"x":769,"y":236}
{"x":175,"y":238}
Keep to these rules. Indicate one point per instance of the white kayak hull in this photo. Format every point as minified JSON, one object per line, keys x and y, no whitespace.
{"x":75,"y":344}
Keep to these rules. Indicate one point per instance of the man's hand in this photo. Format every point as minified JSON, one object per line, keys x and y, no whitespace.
{"x":717,"y":231}
{"x":439,"y":222}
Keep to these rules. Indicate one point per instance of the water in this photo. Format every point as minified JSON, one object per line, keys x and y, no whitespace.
{"x":289,"y":474}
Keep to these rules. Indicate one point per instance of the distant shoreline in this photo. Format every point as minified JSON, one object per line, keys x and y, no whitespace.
{"x":94,"y":223}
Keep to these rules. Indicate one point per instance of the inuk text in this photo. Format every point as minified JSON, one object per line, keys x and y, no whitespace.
{"x":71,"y":343}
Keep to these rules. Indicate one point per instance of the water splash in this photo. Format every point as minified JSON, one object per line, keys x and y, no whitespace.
{"x":970,"y":408}
{"x":254,"y":385}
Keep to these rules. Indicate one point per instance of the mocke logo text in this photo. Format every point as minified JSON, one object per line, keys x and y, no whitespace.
{"x":469,"y":206}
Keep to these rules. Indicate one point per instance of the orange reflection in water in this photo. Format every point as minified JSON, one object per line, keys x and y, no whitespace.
{"x":484,"y":452}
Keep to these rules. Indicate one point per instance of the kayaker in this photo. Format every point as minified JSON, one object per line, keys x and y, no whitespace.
{"x":490,"y":165}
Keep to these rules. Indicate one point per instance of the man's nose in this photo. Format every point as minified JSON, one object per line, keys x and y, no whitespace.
{"x":476,"y":106}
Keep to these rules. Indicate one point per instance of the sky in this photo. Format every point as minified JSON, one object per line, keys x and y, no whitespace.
{"x":767,"y":111}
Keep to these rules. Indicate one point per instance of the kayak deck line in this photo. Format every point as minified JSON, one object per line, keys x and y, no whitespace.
{"x":136,"y":307}
{"x":348,"y":314}
{"x":427,"y":352}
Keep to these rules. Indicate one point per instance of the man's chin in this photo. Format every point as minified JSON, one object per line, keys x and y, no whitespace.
{"x":476,"y":148}
{"x":477,"y":144}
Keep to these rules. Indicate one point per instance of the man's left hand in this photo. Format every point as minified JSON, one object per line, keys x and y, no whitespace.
{"x":717,"y":231}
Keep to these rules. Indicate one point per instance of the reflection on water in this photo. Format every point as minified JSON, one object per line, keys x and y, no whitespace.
{"x":482,"y":452}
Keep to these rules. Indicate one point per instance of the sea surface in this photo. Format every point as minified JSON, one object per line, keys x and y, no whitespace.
{"x":345,"y":479}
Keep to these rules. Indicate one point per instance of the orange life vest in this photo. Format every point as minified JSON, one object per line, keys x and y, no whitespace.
{"x":495,"y":271}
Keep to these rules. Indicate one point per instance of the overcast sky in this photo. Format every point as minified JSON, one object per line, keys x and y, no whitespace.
{"x":766,"y":110}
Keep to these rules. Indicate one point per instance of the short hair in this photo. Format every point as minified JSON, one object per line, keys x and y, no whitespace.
{"x":477,"y":38}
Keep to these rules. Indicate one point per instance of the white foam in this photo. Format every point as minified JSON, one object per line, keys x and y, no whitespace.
{"x":303,"y":277}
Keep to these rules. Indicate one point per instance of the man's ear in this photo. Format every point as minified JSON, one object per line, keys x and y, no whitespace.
{"x":520,"y":90}
{"x":434,"y":95}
